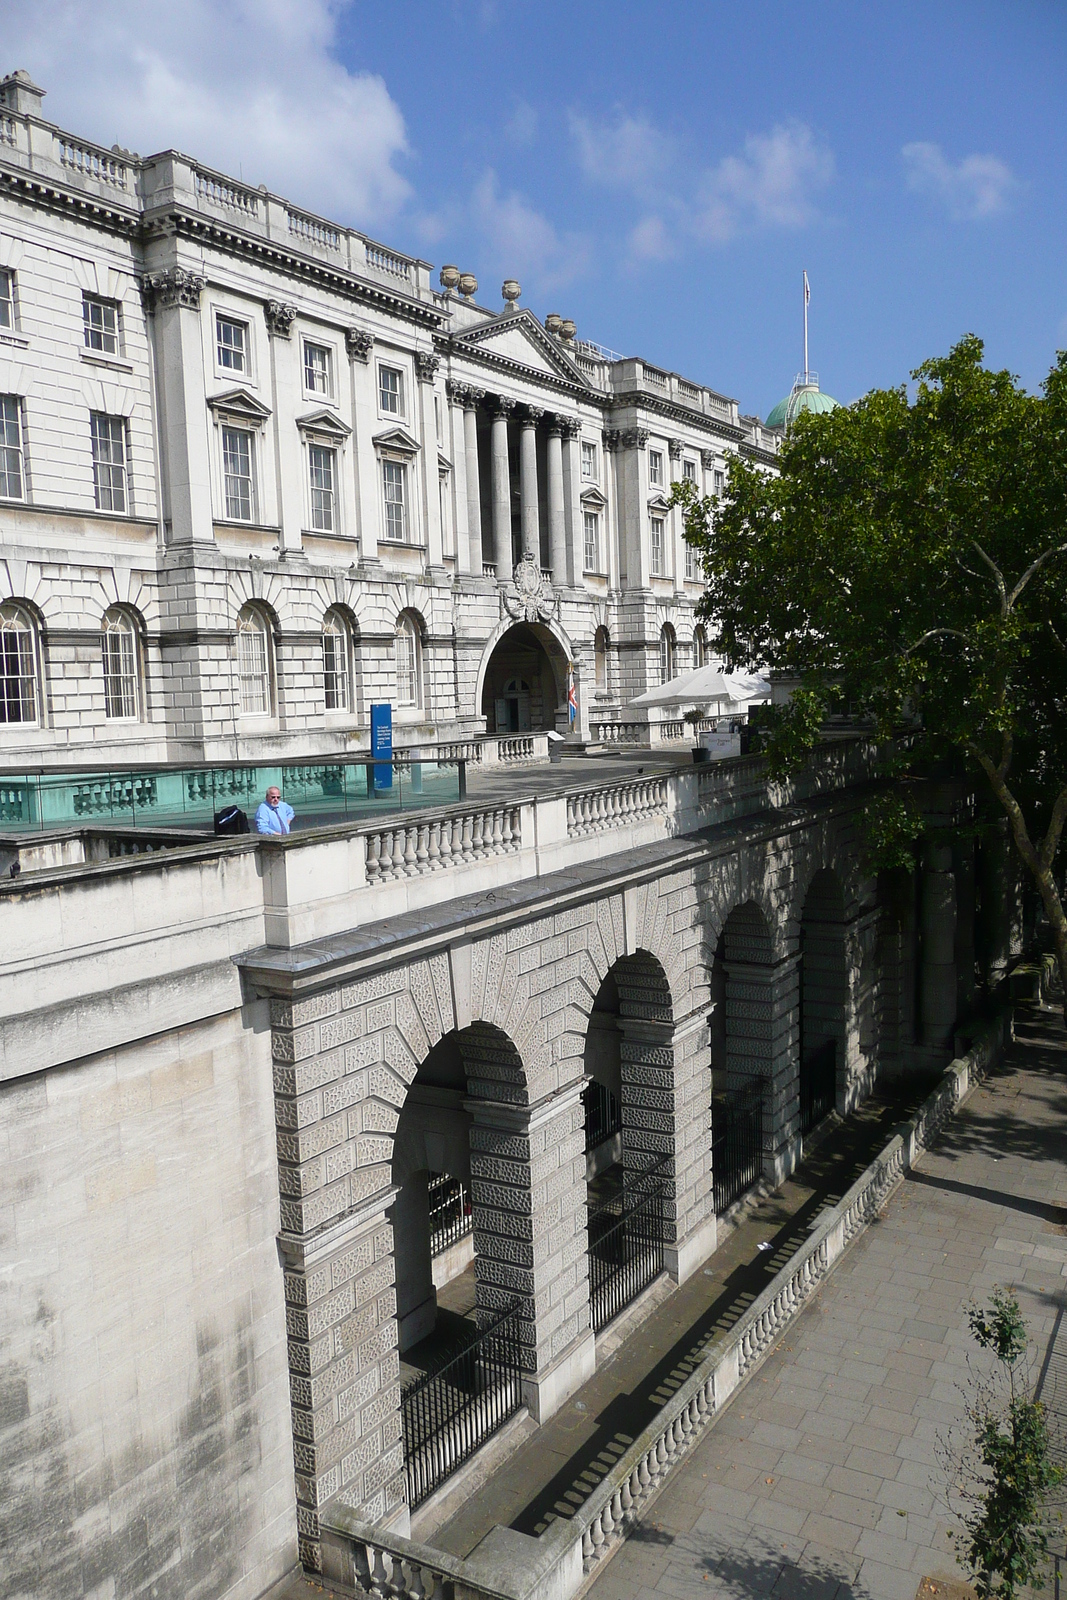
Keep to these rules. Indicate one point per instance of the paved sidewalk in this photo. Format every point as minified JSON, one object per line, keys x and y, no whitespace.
{"x":821,"y":1478}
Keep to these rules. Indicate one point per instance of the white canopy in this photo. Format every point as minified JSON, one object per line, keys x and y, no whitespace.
{"x":705,"y":686}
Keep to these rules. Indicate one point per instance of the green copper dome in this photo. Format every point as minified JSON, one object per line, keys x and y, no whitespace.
{"x":802,"y":397}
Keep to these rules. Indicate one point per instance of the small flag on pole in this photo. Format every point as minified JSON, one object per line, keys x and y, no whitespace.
{"x":807,"y":290}
{"x":572,"y":698}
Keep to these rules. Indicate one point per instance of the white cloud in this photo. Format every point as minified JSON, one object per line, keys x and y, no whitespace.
{"x":629,"y":153}
{"x":651,"y":240}
{"x":521,"y":242}
{"x":248,"y":86}
{"x":521,"y":126}
{"x":773,"y":184}
{"x":975,"y":188}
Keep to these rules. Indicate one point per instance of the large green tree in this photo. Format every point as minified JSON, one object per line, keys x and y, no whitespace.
{"x":911,"y":555}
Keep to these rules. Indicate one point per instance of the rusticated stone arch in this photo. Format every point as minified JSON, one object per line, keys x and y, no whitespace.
{"x":824,"y":976}
{"x":761,"y":1028}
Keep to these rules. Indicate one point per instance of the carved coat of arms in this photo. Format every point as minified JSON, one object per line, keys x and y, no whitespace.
{"x":529,"y":597}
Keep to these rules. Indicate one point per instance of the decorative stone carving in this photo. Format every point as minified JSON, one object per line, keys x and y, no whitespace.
{"x":174,"y":287}
{"x":359,"y":342}
{"x":674,"y":447}
{"x":502,"y":405}
{"x":529,"y":597}
{"x":612,"y":439}
{"x":279,"y":318}
{"x":570,"y":427}
{"x":426,"y":365}
{"x":533,"y":415}
{"x":633,"y":438}
{"x":707,"y":459}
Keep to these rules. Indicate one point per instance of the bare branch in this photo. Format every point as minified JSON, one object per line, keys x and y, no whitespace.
{"x":1034,"y":567}
{"x":1051,"y":842}
{"x":1002,"y":589}
{"x":933,"y":633}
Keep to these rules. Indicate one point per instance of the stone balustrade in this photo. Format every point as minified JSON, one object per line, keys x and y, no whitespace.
{"x":405,"y":849}
{"x":621,"y":732}
{"x":615,"y":805}
{"x":511,"y":1566}
{"x":505,"y":750}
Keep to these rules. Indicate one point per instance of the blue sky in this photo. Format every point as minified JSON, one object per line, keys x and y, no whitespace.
{"x":661,"y":173}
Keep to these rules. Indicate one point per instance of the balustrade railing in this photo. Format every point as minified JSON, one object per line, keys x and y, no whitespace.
{"x":621,"y":733}
{"x":448,"y":1413}
{"x":313,"y":230}
{"x":405,"y":850}
{"x":8,"y":130}
{"x":615,"y":805}
{"x":451,"y":1214}
{"x":386,"y":261}
{"x":89,"y":162}
{"x":219,"y":191}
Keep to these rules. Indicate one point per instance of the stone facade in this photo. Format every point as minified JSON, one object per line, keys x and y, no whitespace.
{"x":275,"y":387}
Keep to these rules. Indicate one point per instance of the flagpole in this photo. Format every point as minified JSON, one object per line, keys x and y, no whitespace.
{"x":806,"y":291}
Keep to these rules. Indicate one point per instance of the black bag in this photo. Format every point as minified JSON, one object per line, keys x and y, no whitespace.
{"x":231,"y":819}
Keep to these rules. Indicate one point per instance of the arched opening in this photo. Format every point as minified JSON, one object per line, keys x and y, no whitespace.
{"x":525,"y":685}
{"x":630,"y":1142}
{"x":823,"y":1000}
{"x":20,"y":681}
{"x":700,"y":647}
{"x":668,"y":653}
{"x":338,"y":675}
{"x":255,"y":663}
{"x":407,"y":660}
{"x":465,"y":1318}
{"x":122,"y":667}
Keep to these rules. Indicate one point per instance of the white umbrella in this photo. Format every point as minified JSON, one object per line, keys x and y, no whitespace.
{"x":692,"y":688}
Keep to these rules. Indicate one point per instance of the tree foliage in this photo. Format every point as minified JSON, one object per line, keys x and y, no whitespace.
{"x":1005,"y":1477}
{"x":910,"y":557}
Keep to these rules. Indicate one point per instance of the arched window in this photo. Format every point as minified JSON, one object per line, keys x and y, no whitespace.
{"x":20,"y":697}
{"x":336,"y":672}
{"x":122,"y":699}
{"x":666,"y":653}
{"x":601,"y":644}
{"x":253,"y":663}
{"x":406,"y":654}
{"x":700,"y":647}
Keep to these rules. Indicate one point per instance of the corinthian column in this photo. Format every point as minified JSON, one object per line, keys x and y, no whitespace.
{"x":501,"y":488}
{"x":531,"y":519}
{"x":470,"y":398}
{"x":557,"y":522}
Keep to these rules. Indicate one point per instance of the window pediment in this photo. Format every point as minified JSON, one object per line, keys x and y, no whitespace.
{"x":324,"y":424}
{"x":592,"y":499}
{"x":238,"y":405}
{"x":658,"y":503}
{"x":396,"y":441}
{"x":443,"y":463}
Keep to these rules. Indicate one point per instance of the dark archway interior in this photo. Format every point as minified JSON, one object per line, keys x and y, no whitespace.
{"x":525,"y":687}
{"x":824,"y":975}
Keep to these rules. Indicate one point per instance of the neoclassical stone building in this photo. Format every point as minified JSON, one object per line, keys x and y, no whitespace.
{"x":259,"y":472}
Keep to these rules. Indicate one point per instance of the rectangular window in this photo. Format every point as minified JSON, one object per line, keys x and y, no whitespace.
{"x":109,"y":462}
{"x":12,"y":477}
{"x":7,"y":299}
{"x":592,"y":542}
{"x":120,"y":675}
{"x":100,"y":321}
{"x":690,"y":563}
{"x":657,"y":546}
{"x":237,"y":465}
{"x":719,"y":482}
{"x":655,"y":467}
{"x":18,"y":674}
{"x":394,"y":475}
{"x":253,"y":675}
{"x":317,"y":375}
{"x":231,"y":344}
{"x":322,"y":464}
{"x":391,"y":391}
{"x":588,"y":459}
{"x":335,"y":670}
{"x":689,"y":471}
{"x":438,"y":421}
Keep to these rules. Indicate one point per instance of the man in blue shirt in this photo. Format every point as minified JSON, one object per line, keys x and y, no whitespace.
{"x":274,"y":816}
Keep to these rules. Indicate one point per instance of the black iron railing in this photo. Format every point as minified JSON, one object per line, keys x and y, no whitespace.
{"x":450,"y":1211}
{"x":818,"y":1085}
{"x":603,"y":1116}
{"x":626,"y":1232}
{"x":450,"y":1411}
{"x":736,"y":1142}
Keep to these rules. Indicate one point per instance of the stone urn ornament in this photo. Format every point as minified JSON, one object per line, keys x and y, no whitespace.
{"x":529,"y":597}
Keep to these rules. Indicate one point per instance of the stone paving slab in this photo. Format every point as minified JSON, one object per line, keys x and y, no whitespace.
{"x":821,"y":1479}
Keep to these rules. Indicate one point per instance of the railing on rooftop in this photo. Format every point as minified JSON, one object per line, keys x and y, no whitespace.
{"x":91,"y":162}
{"x":216,"y":190}
{"x":389,"y":262}
{"x":313,"y":230}
{"x":599,"y":352}
{"x":319,"y":791}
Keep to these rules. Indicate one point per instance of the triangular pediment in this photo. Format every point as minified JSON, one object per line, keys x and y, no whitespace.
{"x":398,"y":439}
{"x":324,"y":422}
{"x":593,"y":497}
{"x":658,"y":502}
{"x":240,"y":403}
{"x":518,"y":336}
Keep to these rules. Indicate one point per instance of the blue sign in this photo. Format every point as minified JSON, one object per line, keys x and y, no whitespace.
{"x":381,"y":744}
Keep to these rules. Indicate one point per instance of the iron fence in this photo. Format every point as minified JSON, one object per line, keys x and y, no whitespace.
{"x":451,"y":1216}
{"x":818,"y":1085}
{"x":626,"y":1232}
{"x":736,"y":1142}
{"x":603,"y":1115}
{"x":450,"y":1411}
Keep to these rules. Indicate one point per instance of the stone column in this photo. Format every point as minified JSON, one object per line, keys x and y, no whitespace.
{"x":570,"y":428}
{"x":530,"y":512}
{"x":529,"y":1194}
{"x":426,"y":365}
{"x":762,"y":1040}
{"x":938,"y":935}
{"x":557,"y":522}
{"x":502,"y":409}
{"x":674,"y":450}
{"x":473,"y":553}
{"x":173,"y":298}
{"x":285,"y":401}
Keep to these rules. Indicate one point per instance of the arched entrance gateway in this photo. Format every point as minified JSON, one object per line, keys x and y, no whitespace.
{"x":524,"y":687}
